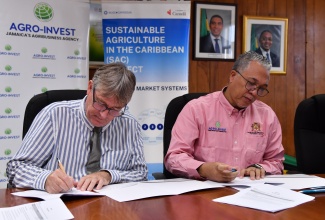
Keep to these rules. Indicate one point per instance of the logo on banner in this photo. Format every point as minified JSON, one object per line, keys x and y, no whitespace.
{"x":7,"y":52}
{"x":7,"y":135}
{"x":76,"y":74}
{"x":76,"y":56}
{"x":152,"y":121}
{"x":117,"y":12}
{"x":8,"y":93}
{"x":43,"y":55}
{"x":176,"y":12}
{"x":44,"y":74}
{"x":8,"y":114}
{"x":43,"y":12}
{"x":8,"y":72}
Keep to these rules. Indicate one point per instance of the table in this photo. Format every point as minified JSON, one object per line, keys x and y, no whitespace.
{"x":194,"y":205}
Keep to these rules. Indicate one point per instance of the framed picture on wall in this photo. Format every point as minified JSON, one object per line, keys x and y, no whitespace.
{"x":267,"y":36}
{"x":215,"y":31}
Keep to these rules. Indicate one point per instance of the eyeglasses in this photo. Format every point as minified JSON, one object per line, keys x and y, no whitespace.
{"x":252,"y":86}
{"x":102,"y":107}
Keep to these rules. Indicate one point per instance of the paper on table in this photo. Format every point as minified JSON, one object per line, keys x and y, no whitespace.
{"x":245,"y":181}
{"x":47,"y":196}
{"x":52,"y":209}
{"x":123,"y":192}
{"x":266,"y":197}
{"x":296,"y":181}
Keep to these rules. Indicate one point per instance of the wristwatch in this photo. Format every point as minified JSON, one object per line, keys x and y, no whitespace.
{"x":256,"y":165}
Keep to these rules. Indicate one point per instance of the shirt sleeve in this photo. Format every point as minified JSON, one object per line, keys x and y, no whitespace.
{"x":133,"y":166}
{"x":274,"y":154}
{"x":179,"y":159}
{"x":24,"y":169}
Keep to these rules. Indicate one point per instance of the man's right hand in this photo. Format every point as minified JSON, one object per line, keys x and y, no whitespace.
{"x":58,"y":182}
{"x":217,"y":172}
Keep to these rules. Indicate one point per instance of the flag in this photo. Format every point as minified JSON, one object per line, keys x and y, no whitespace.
{"x":205,"y":30}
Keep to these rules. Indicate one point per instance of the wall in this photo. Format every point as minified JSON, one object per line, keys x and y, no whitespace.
{"x":304,"y":76}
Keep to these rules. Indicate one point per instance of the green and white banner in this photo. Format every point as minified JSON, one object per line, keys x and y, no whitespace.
{"x":43,"y":46}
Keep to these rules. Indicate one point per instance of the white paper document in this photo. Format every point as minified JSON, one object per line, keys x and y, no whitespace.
{"x":47,"y":196}
{"x":139,"y":190}
{"x":52,"y":209}
{"x":266,"y":197}
{"x":296,"y":181}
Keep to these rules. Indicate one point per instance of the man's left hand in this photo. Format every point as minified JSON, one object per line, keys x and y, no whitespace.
{"x":253,"y":172}
{"x":98,"y":180}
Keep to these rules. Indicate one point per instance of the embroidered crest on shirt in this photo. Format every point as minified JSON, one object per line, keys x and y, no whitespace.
{"x":256,"y":129}
{"x":217,"y":128}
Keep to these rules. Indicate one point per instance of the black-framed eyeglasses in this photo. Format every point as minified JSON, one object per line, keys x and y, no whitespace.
{"x":250,"y":86}
{"x":102,"y":107}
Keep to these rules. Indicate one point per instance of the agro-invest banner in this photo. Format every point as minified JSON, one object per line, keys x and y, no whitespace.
{"x":43,"y":46}
{"x":152,"y":39}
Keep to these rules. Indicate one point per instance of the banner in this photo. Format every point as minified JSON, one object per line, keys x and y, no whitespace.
{"x":152,"y":39}
{"x":43,"y":46}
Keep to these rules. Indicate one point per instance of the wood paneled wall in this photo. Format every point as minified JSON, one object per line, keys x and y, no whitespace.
{"x":304,"y":77}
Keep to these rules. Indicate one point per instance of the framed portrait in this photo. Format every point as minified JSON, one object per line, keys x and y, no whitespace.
{"x":267,"y":36}
{"x":215,"y":31}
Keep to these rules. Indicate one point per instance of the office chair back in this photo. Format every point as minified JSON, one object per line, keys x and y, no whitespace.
{"x":309,"y":134}
{"x":174,"y":107}
{"x":38,"y":102}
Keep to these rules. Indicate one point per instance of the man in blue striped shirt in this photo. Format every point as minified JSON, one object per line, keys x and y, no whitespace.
{"x":63,"y":130}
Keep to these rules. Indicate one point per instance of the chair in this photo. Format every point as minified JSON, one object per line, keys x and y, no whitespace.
{"x":38,"y":102}
{"x":174,"y":107}
{"x":309,"y":134}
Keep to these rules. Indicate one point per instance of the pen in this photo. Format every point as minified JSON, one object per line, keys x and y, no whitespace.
{"x":61,"y":166}
{"x":311,"y":191}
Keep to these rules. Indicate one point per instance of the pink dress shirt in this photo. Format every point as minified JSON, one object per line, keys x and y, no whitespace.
{"x":209,"y":129}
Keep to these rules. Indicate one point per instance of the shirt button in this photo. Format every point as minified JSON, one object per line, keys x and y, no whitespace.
{"x":235,"y":142}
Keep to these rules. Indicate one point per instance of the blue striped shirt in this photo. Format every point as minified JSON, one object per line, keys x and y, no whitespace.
{"x":62,"y":130}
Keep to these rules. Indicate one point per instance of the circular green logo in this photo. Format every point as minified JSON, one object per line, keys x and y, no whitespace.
{"x":8,"y":131}
{"x":8,"y":47}
{"x":43,"y":12}
{"x":7,"y":152}
{"x":8,"y":68}
{"x":44,"y":69}
{"x":8,"y":110}
{"x":44,"y":89}
{"x":44,"y":50}
{"x":8,"y":89}
{"x":77,"y":71}
{"x":218,"y":124}
{"x":76,"y":52}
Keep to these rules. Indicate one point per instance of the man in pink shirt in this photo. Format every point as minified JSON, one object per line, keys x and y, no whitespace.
{"x":229,"y":133}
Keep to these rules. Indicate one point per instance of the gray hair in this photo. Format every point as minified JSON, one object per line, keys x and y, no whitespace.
{"x":115,"y":79}
{"x":246,"y":58}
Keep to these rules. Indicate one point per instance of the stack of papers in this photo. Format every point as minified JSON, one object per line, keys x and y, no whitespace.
{"x":52,"y":209}
{"x":48,"y":196}
{"x":139,"y":190}
{"x":295,"y":181}
{"x":266,"y":197}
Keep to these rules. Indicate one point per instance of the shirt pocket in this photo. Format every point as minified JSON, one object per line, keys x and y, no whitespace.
{"x":211,"y":153}
{"x":255,"y":146}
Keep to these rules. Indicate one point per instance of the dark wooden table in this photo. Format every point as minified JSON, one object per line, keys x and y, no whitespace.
{"x":194,"y":205}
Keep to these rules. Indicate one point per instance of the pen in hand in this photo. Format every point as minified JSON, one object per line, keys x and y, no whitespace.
{"x":61,"y":166}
